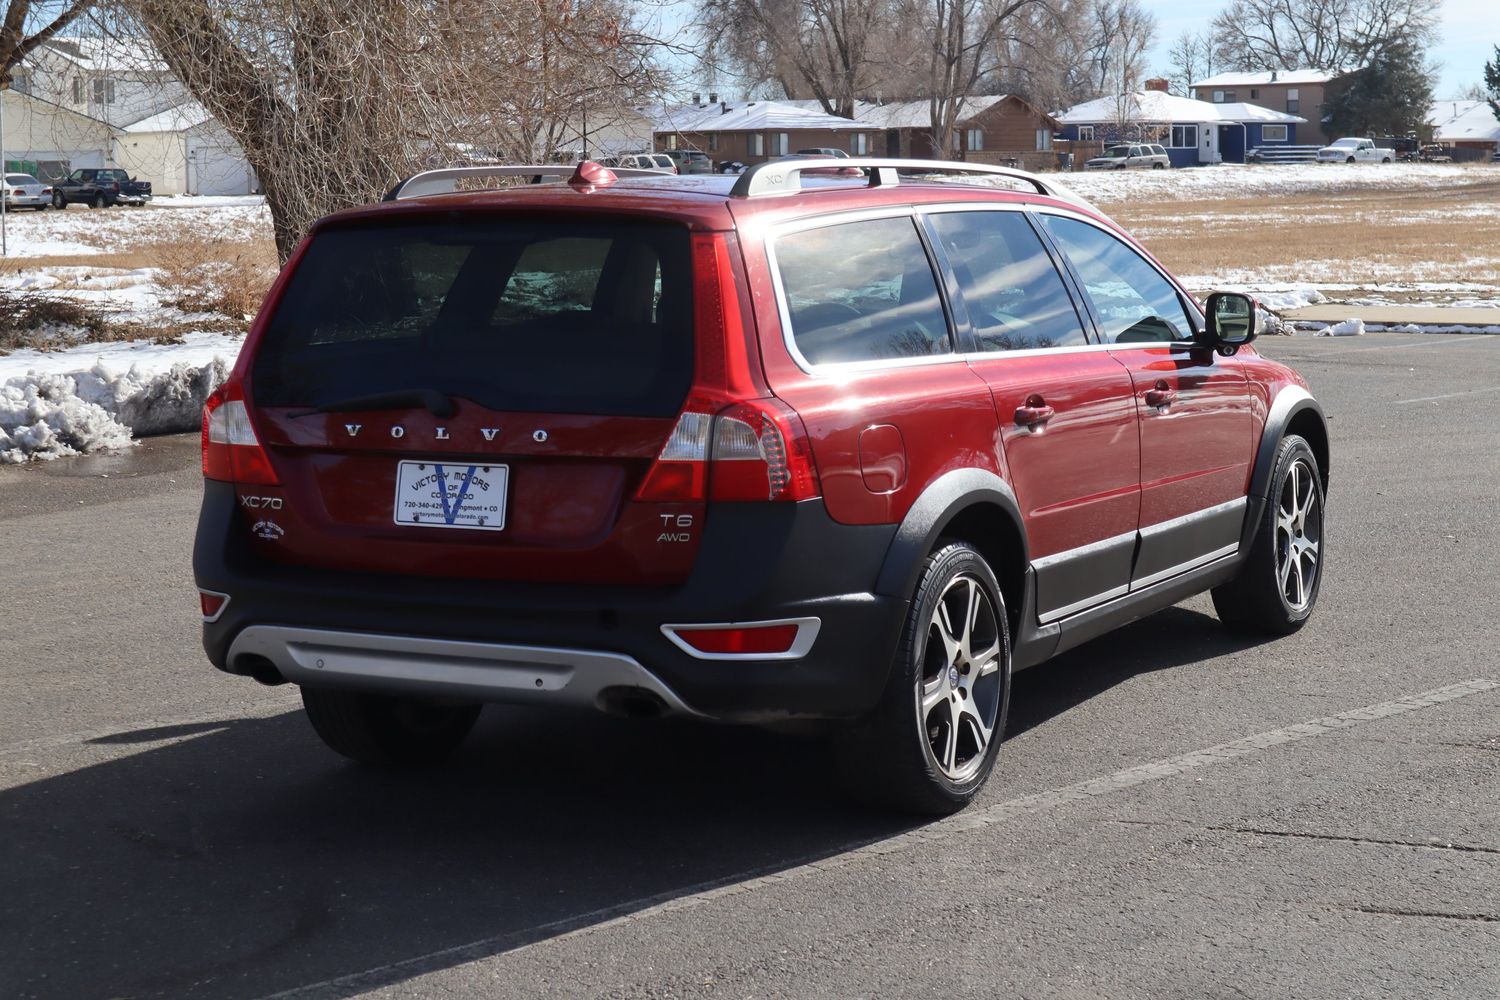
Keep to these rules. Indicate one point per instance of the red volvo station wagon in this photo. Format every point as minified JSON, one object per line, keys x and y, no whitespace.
{"x":842,"y":440}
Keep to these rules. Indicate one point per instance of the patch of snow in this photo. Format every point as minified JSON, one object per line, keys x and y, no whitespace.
{"x":1227,"y":180}
{"x":1348,"y":328}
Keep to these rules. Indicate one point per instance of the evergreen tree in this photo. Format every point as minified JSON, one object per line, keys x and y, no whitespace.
{"x":1492,"y":81}
{"x":1391,"y":95}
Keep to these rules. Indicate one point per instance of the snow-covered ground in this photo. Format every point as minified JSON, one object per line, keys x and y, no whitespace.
{"x":1228,"y":180}
{"x":83,"y":232}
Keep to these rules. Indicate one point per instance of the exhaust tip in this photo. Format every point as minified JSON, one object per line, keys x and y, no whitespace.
{"x":260,"y":668}
{"x":632,"y":703}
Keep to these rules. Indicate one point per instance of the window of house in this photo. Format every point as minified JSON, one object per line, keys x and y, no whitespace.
{"x":713,"y":141}
{"x":781,"y":144}
{"x":672,"y":141}
{"x":104,"y":90}
{"x":1273,"y":133}
{"x":1085,"y":133}
{"x":757,"y":144}
{"x":77,"y":90}
{"x":1044,"y":138}
{"x":1254,"y":94}
{"x":1184,"y":137}
{"x":861,"y":291}
{"x":1015,"y":298}
{"x":1218,"y":97}
{"x":859,"y":144}
{"x":21,"y":83}
{"x":975,"y":139}
{"x":1292,"y":101}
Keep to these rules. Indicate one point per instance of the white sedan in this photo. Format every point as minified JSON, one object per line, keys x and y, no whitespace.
{"x":25,"y":191}
{"x":1354,"y":150}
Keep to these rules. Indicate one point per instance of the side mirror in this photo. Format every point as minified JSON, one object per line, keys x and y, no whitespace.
{"x":1233,"y":321}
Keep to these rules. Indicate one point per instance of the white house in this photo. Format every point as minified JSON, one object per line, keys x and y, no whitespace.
{"x":42,"y":138}
{"x":1194,"y":132}
{"x":1466,"y":125}
{"x":116,"y":80}
{"x":184,"y":150}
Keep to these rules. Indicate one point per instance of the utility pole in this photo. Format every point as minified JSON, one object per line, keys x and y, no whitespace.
{"x":4,"y":246}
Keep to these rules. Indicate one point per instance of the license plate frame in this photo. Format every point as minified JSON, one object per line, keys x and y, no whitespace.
{"x":469,"y":496}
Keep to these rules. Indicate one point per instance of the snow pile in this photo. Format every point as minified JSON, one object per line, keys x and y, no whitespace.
{"x":1282,"y":299}
{"x":1348,"y":328}
{"x":50,"y":412}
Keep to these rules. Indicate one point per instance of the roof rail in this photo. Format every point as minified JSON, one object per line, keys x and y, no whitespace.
{"x":445,"y":181}
{"x":784,"y":176}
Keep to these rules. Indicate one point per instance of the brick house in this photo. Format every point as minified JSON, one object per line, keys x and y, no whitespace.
{"x":755,"y":131}
{"x":1302,"y":92}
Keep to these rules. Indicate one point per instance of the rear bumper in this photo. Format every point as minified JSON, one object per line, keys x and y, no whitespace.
{"x":488,"y":640}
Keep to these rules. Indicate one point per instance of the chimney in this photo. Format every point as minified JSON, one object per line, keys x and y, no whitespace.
{"x":1158,"y":84}
{"x":723,"y":106}
{"x":713,"y":98}
{"x":1273,"y":76}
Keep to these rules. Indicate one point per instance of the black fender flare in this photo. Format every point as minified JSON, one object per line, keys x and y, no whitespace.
{"x":1289,"y":403}
{"x":944,"y":499}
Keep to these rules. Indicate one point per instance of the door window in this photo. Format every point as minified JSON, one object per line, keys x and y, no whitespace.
{"x":861,"y":291}
{"x":1131,"y":299}
{"x":1016,"y":299}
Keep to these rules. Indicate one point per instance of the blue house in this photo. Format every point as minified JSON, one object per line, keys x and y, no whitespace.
{"x":1194,"y":132}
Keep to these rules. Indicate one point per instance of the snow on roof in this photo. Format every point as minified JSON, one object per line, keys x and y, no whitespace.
{"x":906,"y":114}
{"x":1464,"y":121}
{"x":745,"y":116}
{"x":188,"y":114}
{"x":1291,"y":76}
{"x":108,"y":52}
{"x":1159,"y":107}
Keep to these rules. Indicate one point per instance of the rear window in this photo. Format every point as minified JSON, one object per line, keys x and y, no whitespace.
{"x":543,"y":317}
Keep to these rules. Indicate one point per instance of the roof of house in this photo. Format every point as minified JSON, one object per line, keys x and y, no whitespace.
{"x":1459,"y":121}
{"x":108,"y":53}
{"x":745,"y":116}
{"x":1160,"y":107}
{"x":1290,"y":76}
{"x":188,"y":114}
{"x":907,"y":114}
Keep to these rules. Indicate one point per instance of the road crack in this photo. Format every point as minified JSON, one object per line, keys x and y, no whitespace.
{"x":1382,"y":911}
{"x":1425,"y":845}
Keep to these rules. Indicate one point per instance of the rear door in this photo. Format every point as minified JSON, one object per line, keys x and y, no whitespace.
{"x":1065,"y":407}
{"x":478,"y":396}
{"x":1196,"y":422}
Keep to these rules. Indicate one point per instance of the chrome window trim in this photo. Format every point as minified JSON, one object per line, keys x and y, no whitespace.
{"x":783,"y":312}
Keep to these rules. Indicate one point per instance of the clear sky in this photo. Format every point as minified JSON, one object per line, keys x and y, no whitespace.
{"x":1469,"y":34}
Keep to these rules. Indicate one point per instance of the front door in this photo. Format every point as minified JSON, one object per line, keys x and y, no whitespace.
{"x":1066,"y":408}
{"x":1194,"y":406}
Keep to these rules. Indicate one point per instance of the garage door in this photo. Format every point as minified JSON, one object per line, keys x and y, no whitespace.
{"x":217,"y":169}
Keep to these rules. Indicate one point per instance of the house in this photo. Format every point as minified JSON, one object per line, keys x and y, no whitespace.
{"x":1466,"y":126}
{"x":47,"y":140}
{"x":987,"y":129}
{"x":184,"y":150}
{"x":1292,"y":91}
{"x":1194,"y":132}
{"x":755,"y":131}
{"x":116,"y":80}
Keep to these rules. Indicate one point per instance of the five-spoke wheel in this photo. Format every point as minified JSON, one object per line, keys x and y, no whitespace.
{"x":959,"y":691}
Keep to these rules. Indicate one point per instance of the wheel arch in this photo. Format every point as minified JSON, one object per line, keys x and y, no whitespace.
{"x":1293,"y":411}
{"x":971,"y":505}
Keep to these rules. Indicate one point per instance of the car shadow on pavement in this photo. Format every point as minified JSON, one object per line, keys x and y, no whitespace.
{"x":245,"y":859}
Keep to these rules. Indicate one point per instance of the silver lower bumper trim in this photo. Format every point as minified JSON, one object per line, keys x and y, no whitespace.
{"x":479,"y":671}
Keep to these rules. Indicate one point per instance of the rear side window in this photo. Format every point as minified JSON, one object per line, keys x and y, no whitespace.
{"x":543,"y":317}
{"x":1015,"y":298}
{"x":861,"y":291}
{"x":1133,"y":301}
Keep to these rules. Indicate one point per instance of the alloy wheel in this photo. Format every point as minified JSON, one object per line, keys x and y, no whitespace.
{"x":959,"y":692}
{"x":1299,"y":536}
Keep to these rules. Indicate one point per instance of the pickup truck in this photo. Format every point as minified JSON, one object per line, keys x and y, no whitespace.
{"x":1354,"y":150}
{"x":98,"y":187}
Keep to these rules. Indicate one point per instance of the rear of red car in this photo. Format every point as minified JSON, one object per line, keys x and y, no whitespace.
{"x":520,"y":447}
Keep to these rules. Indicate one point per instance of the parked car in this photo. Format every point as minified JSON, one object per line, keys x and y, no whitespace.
{"x":25,"y":191}
{"x":100,"y":187}
{"x":642,"y":161}
{"x":1354,"y":150}
{"x":1433,"y":152}
{"x":755,"y":449}
{"x":691,"y":161}
{"x":1138,"y":154}
{"x":828,"y":151}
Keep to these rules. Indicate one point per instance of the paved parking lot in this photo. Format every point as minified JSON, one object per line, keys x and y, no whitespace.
{"x":1178,"y":812}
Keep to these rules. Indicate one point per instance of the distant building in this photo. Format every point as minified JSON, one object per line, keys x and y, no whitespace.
{"x":184,"y":150}
{"x":755,"y":131}
{"x":47,"y":140}
{"x":1466,"y":125}
{"x":116,"y":80}
{"x":1194,"y":132}
{"x":1301,"y":92}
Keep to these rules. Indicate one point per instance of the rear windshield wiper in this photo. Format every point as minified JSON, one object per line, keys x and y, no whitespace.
{"x":438,"y":404}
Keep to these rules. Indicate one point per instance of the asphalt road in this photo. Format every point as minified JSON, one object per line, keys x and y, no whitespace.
{"x":1177,"y":812}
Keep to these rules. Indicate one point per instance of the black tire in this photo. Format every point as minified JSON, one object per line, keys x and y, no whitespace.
{"x":1349,"y":159}
{"x":1158,"y":166}
{"x":97,"y":201}
{"x":1385,"y":159}
{"x":387,"y":729}
{"x":889,"y":757}
{"x":1258,"y":599}
{"x":58,"y":201}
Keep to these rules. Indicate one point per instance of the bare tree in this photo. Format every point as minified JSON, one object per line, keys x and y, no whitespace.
{"x":1317,"y":34}
{"x":1041,"y":55}
{"x":1119,"y":33}
{"x":29,"y":23}
{"x":1191,"y":58}
{"x":334,"y":100}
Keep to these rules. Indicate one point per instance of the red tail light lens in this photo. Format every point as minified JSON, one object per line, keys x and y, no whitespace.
{"x":762,"y":639}
{"x":751,"y":450}
{"x":212,"y":603}
{"x":231,"y":451}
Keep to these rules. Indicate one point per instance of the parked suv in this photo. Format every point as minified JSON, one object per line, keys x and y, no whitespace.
{"x":691,"y":161}
{"x":755,"y":449}
{"x":99,"y":187}
{"x":1140,"y":154}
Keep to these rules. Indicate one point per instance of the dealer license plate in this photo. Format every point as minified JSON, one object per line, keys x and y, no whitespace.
{"x":451,"y":495}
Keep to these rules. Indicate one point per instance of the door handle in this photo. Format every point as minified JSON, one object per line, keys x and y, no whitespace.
{"x":1034,"y":413}
{"x":1162,"y":395}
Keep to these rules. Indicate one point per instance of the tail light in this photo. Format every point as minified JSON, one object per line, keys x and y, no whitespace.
{"x":732,"y":440}
{"x":231,"y":451}
{"x":786,"y":639}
